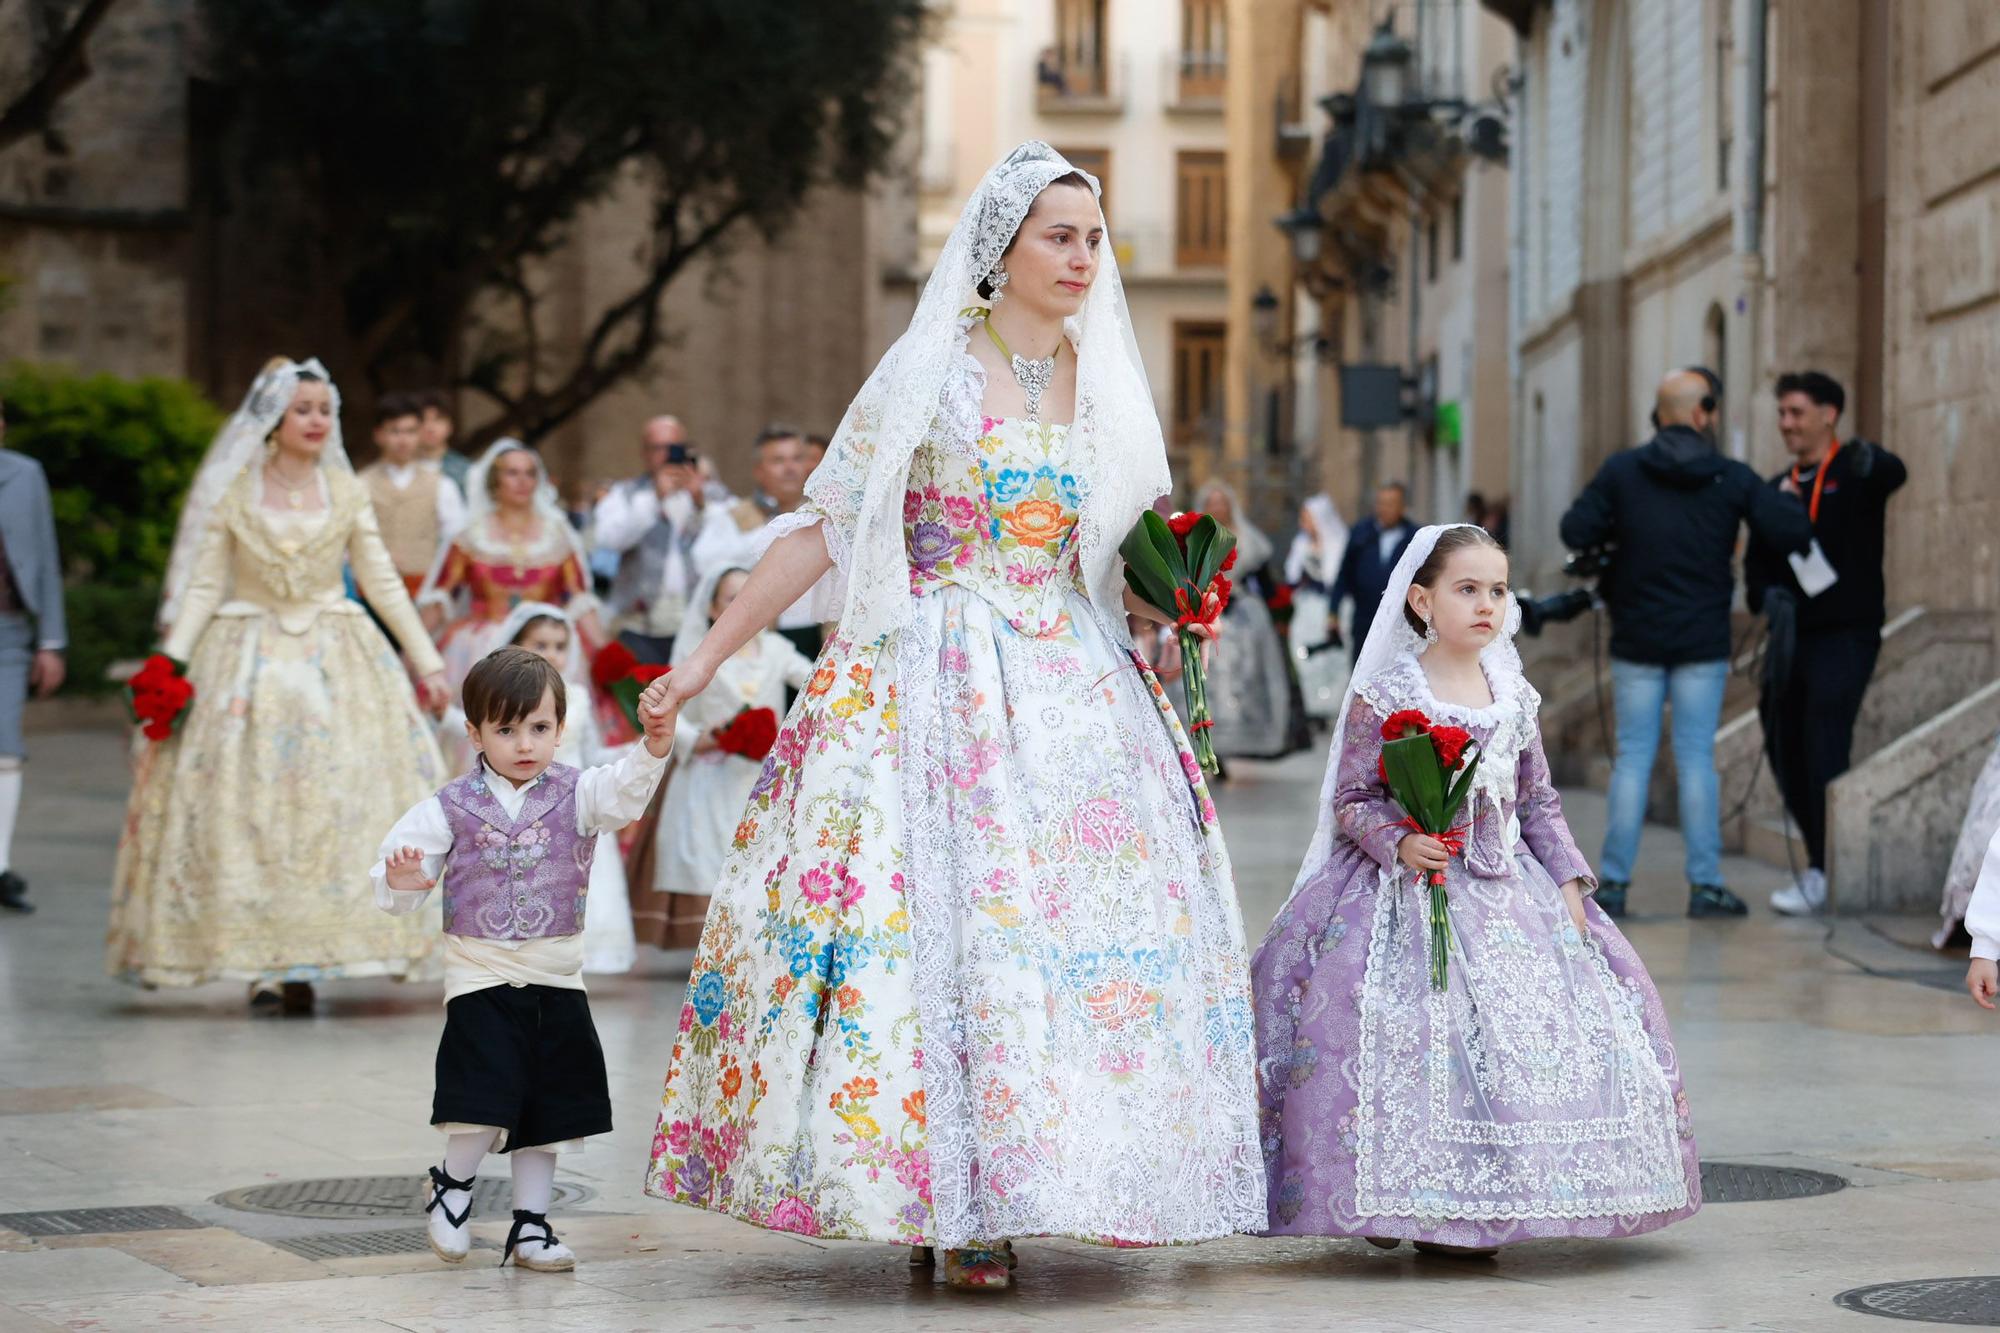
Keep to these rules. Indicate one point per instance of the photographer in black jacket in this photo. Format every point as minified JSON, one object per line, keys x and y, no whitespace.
{"x":1673,"y":507}
{"x":1826,"y":610}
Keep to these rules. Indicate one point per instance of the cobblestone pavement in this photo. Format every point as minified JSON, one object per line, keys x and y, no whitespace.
{"x":1835,"y":1049}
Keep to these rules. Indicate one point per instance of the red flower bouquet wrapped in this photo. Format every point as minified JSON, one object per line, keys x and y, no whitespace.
{"x":158,"y":696}
{"x":619,"y":674}
{"x":1178,"y":567}
{"x":751,"y":734}
{"x":1428,"y":771}
{"x":1279,"y":604}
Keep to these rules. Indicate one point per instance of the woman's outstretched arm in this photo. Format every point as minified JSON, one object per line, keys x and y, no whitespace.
{"x":793,"y":564}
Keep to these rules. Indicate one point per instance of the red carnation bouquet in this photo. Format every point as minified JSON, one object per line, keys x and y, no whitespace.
{"x":1428,"y":770}
{"x":751,"y":734}
{"x":617,"y":673}
{"x":1280,"y":605}
{"x":158,"y":696}
{"x":1179,"y":567}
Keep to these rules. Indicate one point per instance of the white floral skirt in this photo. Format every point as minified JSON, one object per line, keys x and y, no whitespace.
{"x":974,"y":967}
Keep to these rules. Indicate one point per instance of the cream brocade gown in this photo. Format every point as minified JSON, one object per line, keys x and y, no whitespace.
{"x":249,"y":834}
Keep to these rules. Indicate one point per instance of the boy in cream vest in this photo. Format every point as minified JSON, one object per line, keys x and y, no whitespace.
{"x":417,"y":506}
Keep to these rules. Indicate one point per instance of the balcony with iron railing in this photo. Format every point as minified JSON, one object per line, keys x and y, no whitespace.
{"x":1195,"y":81}
{"x":1067,"y":83}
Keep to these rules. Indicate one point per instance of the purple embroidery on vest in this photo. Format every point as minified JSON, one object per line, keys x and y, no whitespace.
{"x":515,"y":879}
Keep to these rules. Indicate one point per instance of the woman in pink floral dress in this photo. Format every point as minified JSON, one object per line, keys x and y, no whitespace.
{"x":975,"y":969}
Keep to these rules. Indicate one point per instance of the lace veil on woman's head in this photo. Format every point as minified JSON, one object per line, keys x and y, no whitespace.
{"x":927,"y":385}
{"x":1389,"y":637}
{"x":237,"y":445}
{"x":480,"y":506}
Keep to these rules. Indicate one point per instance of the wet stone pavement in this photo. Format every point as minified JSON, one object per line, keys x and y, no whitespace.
{"x":1832,"y":1049}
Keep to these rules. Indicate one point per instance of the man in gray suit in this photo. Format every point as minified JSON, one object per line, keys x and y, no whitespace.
{"x":31,"y":633}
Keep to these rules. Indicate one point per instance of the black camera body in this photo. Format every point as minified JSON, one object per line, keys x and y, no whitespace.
{"x":1590,"y":564}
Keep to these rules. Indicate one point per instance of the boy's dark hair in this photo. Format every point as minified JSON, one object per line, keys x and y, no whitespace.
{"x":1817,"y":385}
{"x":391,"y":406}
{"x":508,"y":684}
{"x":434,"y":400}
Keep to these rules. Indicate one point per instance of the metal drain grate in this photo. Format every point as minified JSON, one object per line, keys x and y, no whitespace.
{"x":377,"y":1196}
{"x":1740,"y":1182}
{"x":363,"y":1244}
{"x":1968,"y":1301}
{"x":98,"y":1221}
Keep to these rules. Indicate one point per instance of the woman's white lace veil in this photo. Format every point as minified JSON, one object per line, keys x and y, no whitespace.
{"x":927,"y":385}
{"x":480,"y":506}
{"x":1389,"y":637}
{"x":1329,"y":546}
{"x":1253,"y":548}
{"x":237,"y":445}
{"x":695,"y":621}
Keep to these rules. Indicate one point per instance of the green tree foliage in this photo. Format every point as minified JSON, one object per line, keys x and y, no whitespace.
{"x":119,"y":455}
{"x":445,"y":145}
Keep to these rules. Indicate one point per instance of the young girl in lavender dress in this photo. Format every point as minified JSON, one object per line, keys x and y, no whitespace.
{"x":1538,"y":1095}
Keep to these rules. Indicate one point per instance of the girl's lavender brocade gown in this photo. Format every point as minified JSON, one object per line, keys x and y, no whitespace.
{"x":1538,"y":1096}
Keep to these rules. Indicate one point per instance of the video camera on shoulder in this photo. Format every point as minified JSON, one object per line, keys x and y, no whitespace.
{"x":1590,"y":564}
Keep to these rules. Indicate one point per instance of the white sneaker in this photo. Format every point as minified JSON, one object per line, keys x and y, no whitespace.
{"x":532,"y":1245}
{"x":447,"y":1214}
{"x":1805,"y":898}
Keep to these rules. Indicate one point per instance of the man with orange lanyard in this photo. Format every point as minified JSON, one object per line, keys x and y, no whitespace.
{"x":1832,"y":600}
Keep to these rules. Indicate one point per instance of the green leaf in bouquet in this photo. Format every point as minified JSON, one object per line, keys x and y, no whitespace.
{"x":1416,"y":779}
{"x":1151,"y":556}
{"x":1209,"y":544}
{"x":1455,"y":795}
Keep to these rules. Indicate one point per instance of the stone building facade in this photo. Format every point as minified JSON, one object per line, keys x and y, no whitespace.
{"x":1410,"y":269}
{"x":136,"y":245}
{"x":1762,"y":186}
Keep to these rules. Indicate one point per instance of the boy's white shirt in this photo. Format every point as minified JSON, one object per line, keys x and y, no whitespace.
{"x":608,"y":797}
{"x":1982,"y":915}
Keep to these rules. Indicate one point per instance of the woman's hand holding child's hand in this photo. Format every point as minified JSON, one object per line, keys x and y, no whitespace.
{"x":658,"y":711}
{"x":406,"y":872}
{"x":1420,"y":851}
{"x":1982,"y":979}
{"x":1573,"y":899}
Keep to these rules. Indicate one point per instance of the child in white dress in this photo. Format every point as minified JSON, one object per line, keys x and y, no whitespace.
{"x":544,"y":629}
{"x":710,"y":788}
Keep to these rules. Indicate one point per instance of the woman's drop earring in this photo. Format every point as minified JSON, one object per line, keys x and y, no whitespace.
{"x":996,"y":281}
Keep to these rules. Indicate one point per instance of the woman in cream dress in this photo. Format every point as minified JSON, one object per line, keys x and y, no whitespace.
{"x":250,"y":831}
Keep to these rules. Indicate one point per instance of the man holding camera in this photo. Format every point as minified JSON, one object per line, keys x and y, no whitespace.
{"x":1672,"y":507}
{"x":652,"y":521}
{"x":1825,"y":608}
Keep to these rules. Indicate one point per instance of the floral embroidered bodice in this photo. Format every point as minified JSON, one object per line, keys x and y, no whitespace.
{"x":498,"y":575}
{"x":998,"y":519}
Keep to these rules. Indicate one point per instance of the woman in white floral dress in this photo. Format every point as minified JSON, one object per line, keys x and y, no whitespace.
{"x":974,"y":968}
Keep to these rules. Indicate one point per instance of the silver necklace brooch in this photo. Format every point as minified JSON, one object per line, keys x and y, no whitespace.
{"x":1034,"y":376}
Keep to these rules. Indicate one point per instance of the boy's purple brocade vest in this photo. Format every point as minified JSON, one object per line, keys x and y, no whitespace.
{"x":515,"y":879}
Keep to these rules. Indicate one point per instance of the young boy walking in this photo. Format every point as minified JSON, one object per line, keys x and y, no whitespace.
{"x":519,"y":1068}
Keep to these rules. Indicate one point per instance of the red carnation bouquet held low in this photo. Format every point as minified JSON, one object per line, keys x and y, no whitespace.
{"x":158,"y":696}
{"x":1178,"y":566}
{"x":1428,"y":771}
{"x":616,"y":672}
{"x":750,"y":734}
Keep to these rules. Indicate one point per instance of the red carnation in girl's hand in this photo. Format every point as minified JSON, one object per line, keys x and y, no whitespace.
{"x":1229,"y":561}
{"x":613,"y":663}
{"x":1182,"y":524}
{"x":1223,"y":587}
{"x":751,"y":734}
{"x":1451,"y":743}
{"x":1405,"y":722}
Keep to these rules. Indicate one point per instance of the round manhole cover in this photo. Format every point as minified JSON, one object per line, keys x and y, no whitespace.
{"x":1970,"y":1301}
{"x":377,"y":1196}
{"x":1741,"y":1182}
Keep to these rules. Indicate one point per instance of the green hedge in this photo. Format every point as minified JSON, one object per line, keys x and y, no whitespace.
{"x":119,"y":455}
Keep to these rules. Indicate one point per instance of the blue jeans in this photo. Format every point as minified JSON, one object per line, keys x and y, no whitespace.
{"x":1638,"y":693}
